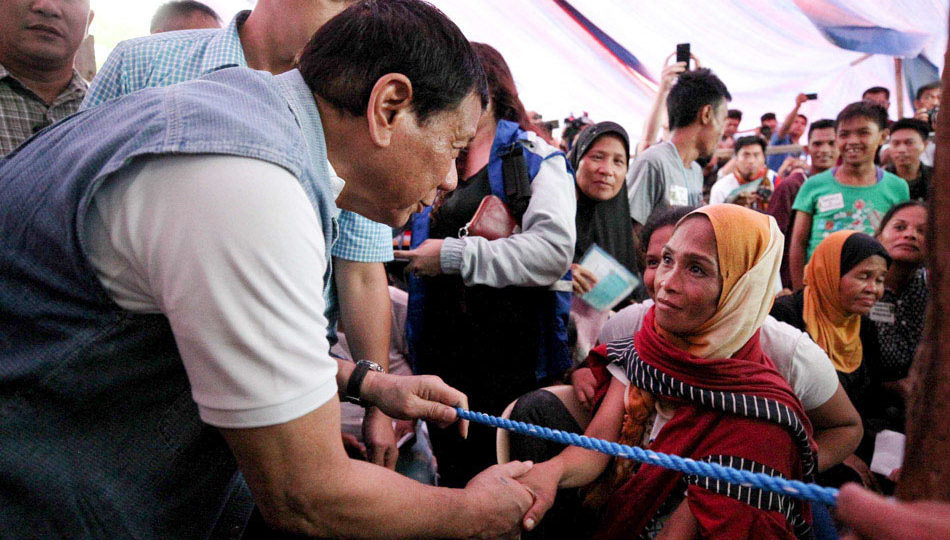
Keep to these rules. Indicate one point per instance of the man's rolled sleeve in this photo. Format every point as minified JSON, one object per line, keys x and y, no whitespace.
{"x":363,"y":240}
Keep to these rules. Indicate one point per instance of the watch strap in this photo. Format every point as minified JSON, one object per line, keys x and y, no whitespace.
{"x":353,"y":386}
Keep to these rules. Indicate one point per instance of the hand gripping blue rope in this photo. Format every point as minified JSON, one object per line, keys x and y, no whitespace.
{"x":792,"y":488}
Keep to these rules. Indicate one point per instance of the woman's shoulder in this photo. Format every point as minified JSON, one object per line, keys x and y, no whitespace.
{"x":788,"y":309}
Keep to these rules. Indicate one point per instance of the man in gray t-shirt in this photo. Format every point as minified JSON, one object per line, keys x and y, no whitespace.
{"x":658,"y":178}
{"x":667,"y":174}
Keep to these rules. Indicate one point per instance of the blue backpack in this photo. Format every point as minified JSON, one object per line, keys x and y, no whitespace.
{"x":512,"y":165}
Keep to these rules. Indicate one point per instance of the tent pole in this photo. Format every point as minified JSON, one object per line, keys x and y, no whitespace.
{"x":926,"y":469}
{"x":899,"y":83}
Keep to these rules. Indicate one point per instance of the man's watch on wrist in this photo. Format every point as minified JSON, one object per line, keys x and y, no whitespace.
{"x":352,"y":392}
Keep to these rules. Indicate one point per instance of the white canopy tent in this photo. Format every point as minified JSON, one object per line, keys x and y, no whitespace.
{"x":766,"y":51}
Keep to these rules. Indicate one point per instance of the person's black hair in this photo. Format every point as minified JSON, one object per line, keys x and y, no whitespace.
{"x":767,"y":116}
{"x":348,"y":54}
{"x":894,"y":210}
{"x":865,"y":109}
{"x":877,"y":90}
{"x":734,"y":113}
{"x":824,"y":123}
{"x":749,"y":140}
{"x":659,"y":218}
{"x":921,"y":127}
{"x":925,"y":88}
{"x":691,"y":92}
{"x":859,"y":247}
{"x":179,"y":8}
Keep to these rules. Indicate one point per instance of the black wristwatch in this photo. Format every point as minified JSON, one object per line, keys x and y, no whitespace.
{"x":353,"y":386}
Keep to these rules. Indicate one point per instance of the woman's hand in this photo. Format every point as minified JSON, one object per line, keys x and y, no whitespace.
{"x":583,"y":279}
{"x":585,"y":386}
{"x":542,"y":480}
{"x":425,"y":260}
{"x":857,"y":465}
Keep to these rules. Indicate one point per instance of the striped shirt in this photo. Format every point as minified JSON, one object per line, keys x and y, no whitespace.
{"x":174,"y":57}
{"x":23,"y":113}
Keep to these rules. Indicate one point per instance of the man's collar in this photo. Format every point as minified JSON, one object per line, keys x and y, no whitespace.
{"x":224,"y":49}
{"x":304,"y":106}
{"x":77,"y":85}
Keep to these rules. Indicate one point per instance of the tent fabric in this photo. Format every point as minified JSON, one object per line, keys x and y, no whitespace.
{"x":765,"y":52}
{"x":891,"y":30}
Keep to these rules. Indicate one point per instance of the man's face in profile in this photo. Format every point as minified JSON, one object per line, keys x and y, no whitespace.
{"x":423,"y":161}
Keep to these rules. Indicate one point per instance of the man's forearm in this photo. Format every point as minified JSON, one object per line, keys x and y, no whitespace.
{"x":365,"y":309}
{"x":796,"y":266}
{"x":798,"y":247}
{"x":303,"y":482}
{"x":787,"y":123}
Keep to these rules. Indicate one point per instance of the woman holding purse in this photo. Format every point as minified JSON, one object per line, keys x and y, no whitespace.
{"x":488,"y":321}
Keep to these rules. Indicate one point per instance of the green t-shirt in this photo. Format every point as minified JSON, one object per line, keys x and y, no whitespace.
{"x":836,"y":207}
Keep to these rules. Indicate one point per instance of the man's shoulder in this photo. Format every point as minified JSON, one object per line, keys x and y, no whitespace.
{"x":150,"y":47}
{"x":891,"y":178}
{"x":651,"y":162}
{"x":657,"y":153}
{"x":791,"y":183}
{"x":727,"y":179}
{"x":820,"y":179}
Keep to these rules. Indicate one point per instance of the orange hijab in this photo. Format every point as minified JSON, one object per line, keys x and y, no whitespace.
{"x":835,"y":331}
{"x":749,"y":247}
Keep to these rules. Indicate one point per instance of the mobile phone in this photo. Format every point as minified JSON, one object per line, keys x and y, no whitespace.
{"x":682,"y":54}
{"x":811,"y":96}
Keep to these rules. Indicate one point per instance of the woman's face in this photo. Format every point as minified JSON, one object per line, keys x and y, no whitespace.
{"x":658,"y":239}
{"x":863,"y":285}
{"x":603,"y":169}
{"x":904,"y":236}
{"x":687,"y":280}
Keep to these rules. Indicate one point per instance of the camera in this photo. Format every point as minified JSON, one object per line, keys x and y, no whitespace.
{"x":764,"y":191}
{"x":932,"y":117}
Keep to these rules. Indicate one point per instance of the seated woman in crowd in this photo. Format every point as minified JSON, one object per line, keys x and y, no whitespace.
{"x":801,"y":362}
{"x":490,"y":322}
{"x":899,"y":316}
{"x":674,"y":387}
{"x":843,"y":281}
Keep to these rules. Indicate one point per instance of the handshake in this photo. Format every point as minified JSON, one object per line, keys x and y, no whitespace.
{"x":521,"y":492}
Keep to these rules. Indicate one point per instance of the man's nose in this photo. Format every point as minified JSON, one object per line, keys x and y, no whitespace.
{"x":451,"y":180}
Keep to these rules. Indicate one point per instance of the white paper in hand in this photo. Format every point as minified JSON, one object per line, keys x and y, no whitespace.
{"x":614,"y":281}
{"x":888,"y":452}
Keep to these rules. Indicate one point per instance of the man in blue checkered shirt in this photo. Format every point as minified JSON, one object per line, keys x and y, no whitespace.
{"x":268,"y":38}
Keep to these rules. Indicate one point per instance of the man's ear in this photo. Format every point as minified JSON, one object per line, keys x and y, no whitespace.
{"x":390,"y":102}
{"x":92,"y":15}
{"x":706,"y":115}
{"x":885,"y":133}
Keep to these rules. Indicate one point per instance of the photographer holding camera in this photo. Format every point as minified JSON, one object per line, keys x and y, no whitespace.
{"x":751,"y":183}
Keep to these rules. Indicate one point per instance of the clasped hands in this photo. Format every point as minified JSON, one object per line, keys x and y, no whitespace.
{"x":511,"y":497}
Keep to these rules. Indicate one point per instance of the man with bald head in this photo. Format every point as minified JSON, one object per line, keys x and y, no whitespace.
{"x":269,"y":39}
{"x":38,"y":84}
{"x":183,"y":15}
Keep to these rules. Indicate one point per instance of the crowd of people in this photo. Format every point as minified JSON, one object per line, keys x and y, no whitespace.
{"x":209,"y":326}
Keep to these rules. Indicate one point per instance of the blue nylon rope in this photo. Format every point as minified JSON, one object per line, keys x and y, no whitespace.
{"x":791,"y":488}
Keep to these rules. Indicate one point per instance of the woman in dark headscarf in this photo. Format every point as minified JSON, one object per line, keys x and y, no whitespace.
{"x":843,"y":281}
{"x":599,"y":158}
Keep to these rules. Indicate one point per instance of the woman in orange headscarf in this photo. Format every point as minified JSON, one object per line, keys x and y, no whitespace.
{"x":695,"y":382}
{"x":843,"y":280}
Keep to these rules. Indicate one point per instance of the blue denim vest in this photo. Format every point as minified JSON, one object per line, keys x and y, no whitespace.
{"x":99,"y":435}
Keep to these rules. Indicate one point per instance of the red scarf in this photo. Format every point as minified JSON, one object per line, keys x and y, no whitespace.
{"x":698,"y":431}
{"x":742,"y":180}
